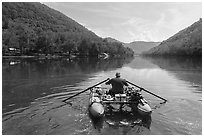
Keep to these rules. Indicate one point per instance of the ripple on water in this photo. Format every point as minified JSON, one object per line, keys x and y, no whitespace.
{"x":178,"y":116}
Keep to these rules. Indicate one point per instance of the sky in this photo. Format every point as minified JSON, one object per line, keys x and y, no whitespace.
{"x":132,"y":21}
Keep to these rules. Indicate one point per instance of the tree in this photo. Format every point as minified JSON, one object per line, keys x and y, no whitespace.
{"x":84,"y":47}
{"x":5,"y":22}
{"x":68,"y":47}
{"x":45,"y":43}
{"x":26,"y":38}
{"x":94,"y":49}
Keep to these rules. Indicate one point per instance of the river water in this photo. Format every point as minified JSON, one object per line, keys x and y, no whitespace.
{"x":33,"y":90}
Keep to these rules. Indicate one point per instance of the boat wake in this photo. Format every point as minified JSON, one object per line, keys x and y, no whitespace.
{"x":118,"y":118}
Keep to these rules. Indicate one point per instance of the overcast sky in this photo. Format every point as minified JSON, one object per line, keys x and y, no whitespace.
{"x":132,"y":21}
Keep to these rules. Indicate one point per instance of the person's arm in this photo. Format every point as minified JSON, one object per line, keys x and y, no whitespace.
{"x":125,"y":83}
{"x":108,"y":83}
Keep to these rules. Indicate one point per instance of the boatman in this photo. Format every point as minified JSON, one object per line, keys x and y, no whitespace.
{"x":117,"y":84}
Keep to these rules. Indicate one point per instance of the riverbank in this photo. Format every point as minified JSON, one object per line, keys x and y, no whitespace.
{"x":100,"y":56}
{"x":39,"y":57}
{"x":18,"y":56}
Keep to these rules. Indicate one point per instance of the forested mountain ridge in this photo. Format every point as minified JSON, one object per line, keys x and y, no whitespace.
{"x":34,"y":28}
{"x":141,"y":46}
{"x":187,"y":42}
{"x":112,"y":40}
{"x":137,"y":46}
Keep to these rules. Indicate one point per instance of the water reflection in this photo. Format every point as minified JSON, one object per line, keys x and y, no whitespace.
{"x":24,"y":80}
{"x":177,"y":63}
{"x":25,"y":68}
{"x":35,"y":89}
{"x":184,"y":68}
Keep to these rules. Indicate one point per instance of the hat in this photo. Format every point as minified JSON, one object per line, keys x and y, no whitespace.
{"x":117,"y":74}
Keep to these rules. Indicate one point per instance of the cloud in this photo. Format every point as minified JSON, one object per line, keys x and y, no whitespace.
{"x":143,"y":35}
{"x":134,"y":21}
{"x":127,"y":21}
{"x":139,"y":29}
{"x":161,"y":20}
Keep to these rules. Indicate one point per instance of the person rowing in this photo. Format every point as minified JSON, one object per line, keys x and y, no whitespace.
{"x":117,"y":84}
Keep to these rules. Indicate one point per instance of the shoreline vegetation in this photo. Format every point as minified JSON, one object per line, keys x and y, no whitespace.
{"x":43,"y":56}
{"x":34,"y":29}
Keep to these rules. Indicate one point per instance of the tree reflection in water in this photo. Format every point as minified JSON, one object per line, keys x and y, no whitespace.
{"x":184,"y":68}
{"x":29,"y":79}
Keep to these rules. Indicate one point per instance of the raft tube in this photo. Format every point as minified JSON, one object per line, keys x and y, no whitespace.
{"x":143,"y":108}
{"x":96,"y":109}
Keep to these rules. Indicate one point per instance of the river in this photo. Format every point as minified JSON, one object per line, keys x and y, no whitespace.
{"x":33,"y":90}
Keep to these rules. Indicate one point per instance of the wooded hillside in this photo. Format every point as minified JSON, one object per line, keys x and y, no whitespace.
{"x":187,"y":42}
{"x":34,"y":28}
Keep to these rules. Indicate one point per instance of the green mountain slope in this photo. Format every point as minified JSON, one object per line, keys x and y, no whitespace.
{"x":137,"y":46}
{"x":187,"y":42}
{"x":39,"y":16}
{"x":111,"y":40}
{"x":141,"y":46}
{"x":34,"y":28}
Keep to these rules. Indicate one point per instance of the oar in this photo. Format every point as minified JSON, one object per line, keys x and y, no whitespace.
{"x":85,"y":90}
{"x":146,"y":91}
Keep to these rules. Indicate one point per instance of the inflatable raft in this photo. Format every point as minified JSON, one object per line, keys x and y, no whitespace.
{"x":100,"y":100}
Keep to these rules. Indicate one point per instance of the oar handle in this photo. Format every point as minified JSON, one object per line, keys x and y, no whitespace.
{"x":86,"y":89}
{"x":146,"y":90}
